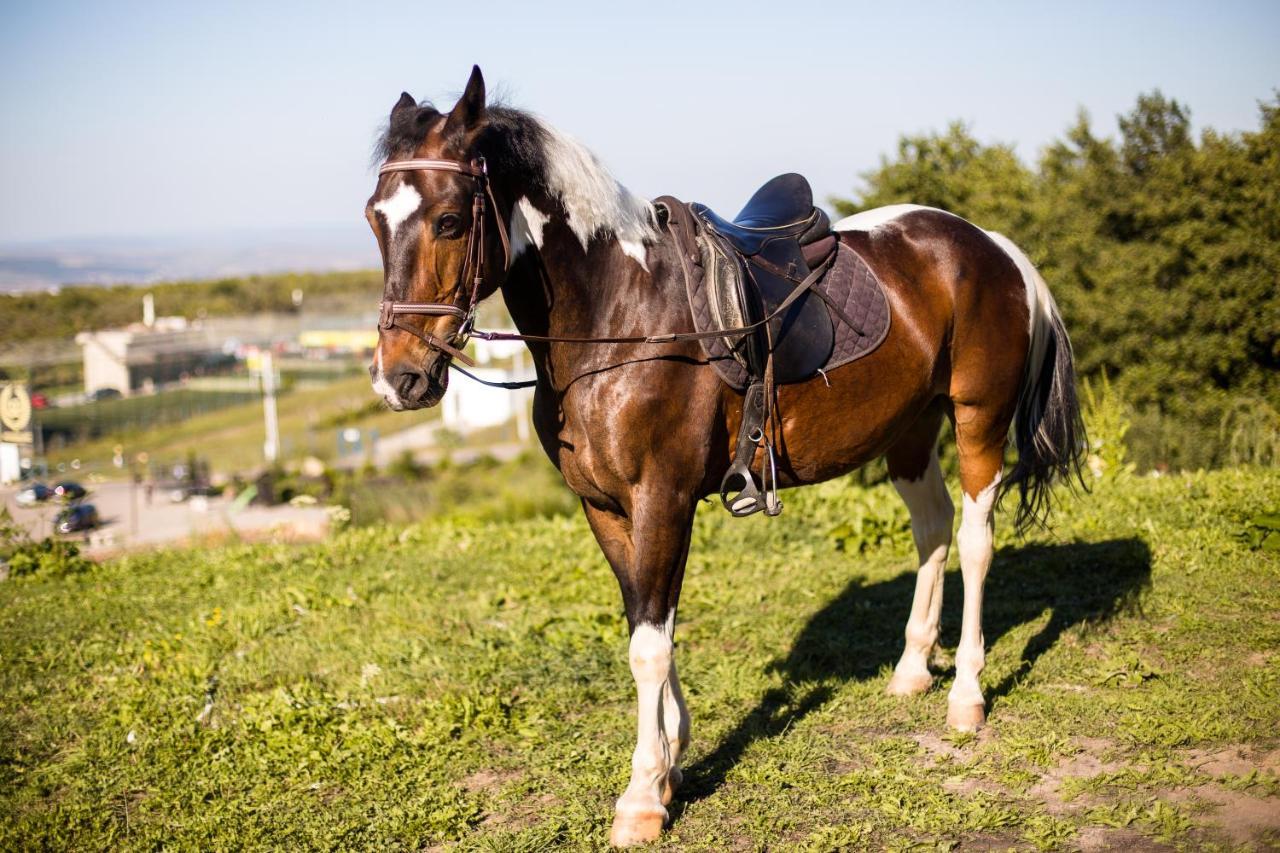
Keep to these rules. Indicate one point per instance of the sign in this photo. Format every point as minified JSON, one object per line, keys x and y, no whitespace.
{"x":15,"y":414}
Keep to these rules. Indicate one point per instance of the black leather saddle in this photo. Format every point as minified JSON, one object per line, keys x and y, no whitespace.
{"x":754,"y":263}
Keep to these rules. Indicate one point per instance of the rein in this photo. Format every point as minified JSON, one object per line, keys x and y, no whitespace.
{"x":389,"y":310}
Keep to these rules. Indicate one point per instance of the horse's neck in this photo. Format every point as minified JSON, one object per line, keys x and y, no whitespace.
{"x":560,"y":289}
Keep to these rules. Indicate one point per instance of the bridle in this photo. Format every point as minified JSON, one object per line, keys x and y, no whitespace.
{"x":389,"y":311}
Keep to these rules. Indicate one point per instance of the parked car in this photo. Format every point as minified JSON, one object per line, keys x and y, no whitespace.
{"x":179,"y":492}
{"x":34,"y":494}
{"x":77,"y":517}
{"x":106,"y":394}
{"x":70,"y":490}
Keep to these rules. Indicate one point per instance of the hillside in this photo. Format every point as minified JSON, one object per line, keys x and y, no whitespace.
{"x":396,"y":688}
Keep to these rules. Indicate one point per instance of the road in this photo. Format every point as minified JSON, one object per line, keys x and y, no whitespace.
{"x":129,"y":521}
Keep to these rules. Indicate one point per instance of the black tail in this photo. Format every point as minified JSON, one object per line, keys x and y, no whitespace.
{"x":1048,"y":429}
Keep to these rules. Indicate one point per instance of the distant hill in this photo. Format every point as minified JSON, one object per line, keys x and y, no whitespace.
{"x":48,"y":264}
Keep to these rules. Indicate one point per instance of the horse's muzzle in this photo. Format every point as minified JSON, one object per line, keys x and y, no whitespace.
{"x":406,"y":388}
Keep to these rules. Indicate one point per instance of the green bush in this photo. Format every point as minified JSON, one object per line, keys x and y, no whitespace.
{"x":48,"y":557}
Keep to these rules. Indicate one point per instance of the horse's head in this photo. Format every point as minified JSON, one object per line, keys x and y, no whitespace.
{"x":442,"y":243}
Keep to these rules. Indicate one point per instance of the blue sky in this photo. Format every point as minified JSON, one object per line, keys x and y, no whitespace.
{"x":174,"y":118}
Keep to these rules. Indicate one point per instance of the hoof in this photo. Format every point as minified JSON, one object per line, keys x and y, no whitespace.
{"x":636,"y":827}
{"x":909,"y":684}
{"x":674,"y":779}
{"x":966,"y":718}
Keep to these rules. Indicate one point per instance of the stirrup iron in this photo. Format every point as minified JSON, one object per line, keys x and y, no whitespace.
{"x":747,"y":498}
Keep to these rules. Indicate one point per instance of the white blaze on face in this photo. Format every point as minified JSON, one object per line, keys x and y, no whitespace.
{"x":399,"y":206}
{"x":381,"y":386}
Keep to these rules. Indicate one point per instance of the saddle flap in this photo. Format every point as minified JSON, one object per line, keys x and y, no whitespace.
{"x":802,"y":336}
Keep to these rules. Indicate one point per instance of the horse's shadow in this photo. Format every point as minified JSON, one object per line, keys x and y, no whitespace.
{"x":860,"y":631}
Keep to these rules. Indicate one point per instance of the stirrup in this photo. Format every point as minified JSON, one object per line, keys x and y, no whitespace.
{"x":747,"y":498}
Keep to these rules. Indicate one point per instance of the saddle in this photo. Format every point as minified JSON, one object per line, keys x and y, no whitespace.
{"x":753,"y":264}
{"x":772,"y":279}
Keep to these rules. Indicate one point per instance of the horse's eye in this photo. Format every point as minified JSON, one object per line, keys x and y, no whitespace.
{"x":447,"y":224}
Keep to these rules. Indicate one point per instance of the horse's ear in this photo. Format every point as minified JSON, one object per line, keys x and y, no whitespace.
{"x":470,"y":106}
{"x":406,"y":101}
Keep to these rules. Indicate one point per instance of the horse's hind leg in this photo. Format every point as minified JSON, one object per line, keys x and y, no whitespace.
{"x":981,"y":433}
{"x":913,"y":468}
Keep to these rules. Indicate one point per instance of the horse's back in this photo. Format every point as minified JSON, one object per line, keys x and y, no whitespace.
{"x":935,"y":261}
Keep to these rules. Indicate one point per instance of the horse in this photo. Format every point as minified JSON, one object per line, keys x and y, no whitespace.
{"x":487,"y":198}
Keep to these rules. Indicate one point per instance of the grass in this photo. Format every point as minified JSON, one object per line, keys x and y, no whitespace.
{"x":481,"y":490}
{"x":133,"y":414}
{"x":231,"y":438}
{"x":464,"y":683}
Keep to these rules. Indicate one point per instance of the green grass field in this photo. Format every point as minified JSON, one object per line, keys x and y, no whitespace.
{"x":461,"y":683}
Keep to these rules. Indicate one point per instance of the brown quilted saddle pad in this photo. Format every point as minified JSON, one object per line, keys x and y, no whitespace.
{"x":849,"y":284}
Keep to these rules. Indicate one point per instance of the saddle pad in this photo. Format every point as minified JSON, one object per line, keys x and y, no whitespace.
{"x":849,"y":284}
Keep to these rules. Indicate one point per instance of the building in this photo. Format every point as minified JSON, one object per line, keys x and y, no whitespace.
{"x":142,"y":356}
{"x":470,"y":406}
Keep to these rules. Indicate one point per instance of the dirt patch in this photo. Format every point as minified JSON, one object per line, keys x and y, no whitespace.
{"x":1238,"y":816}
{"x":981,"y":843}
{"x":1083,"y":765}
{"x":966,"y":785}
{"x":1232,"y":760}
{"x":1097,"y":838}
{"x":522,"y":815}
{"x":488,"y":780}
{"x":939,"y":747}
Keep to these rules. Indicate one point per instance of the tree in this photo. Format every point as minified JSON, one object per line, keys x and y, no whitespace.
{"x":1163,"y":254}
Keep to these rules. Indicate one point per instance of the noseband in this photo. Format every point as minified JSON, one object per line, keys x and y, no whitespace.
{"x":390,"y":311}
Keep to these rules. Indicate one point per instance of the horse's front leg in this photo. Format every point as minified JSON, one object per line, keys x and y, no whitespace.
{"x":647,"y":551}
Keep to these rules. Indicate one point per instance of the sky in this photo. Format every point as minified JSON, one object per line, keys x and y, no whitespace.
{"x":151,"y":119}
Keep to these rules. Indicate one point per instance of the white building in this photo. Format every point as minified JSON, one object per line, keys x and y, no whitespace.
{"x":140,"y":355}
{"x":470,"y":406}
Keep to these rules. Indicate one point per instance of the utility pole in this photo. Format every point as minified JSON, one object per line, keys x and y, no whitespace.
{"x":271,"y":447}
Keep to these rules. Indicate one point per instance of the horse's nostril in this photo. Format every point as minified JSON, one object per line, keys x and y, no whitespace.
{"x":404,"y":385}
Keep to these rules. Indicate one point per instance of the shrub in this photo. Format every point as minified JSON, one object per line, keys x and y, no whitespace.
{"x":26,"y":556}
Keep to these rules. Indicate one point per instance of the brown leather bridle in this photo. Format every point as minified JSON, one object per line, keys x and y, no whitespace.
{"x":389,"y":310}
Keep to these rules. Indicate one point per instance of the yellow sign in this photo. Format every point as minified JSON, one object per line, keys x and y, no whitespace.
{"x":15,"y":413}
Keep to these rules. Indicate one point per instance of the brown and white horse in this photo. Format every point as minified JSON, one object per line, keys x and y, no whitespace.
{"x":641,"y":432}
